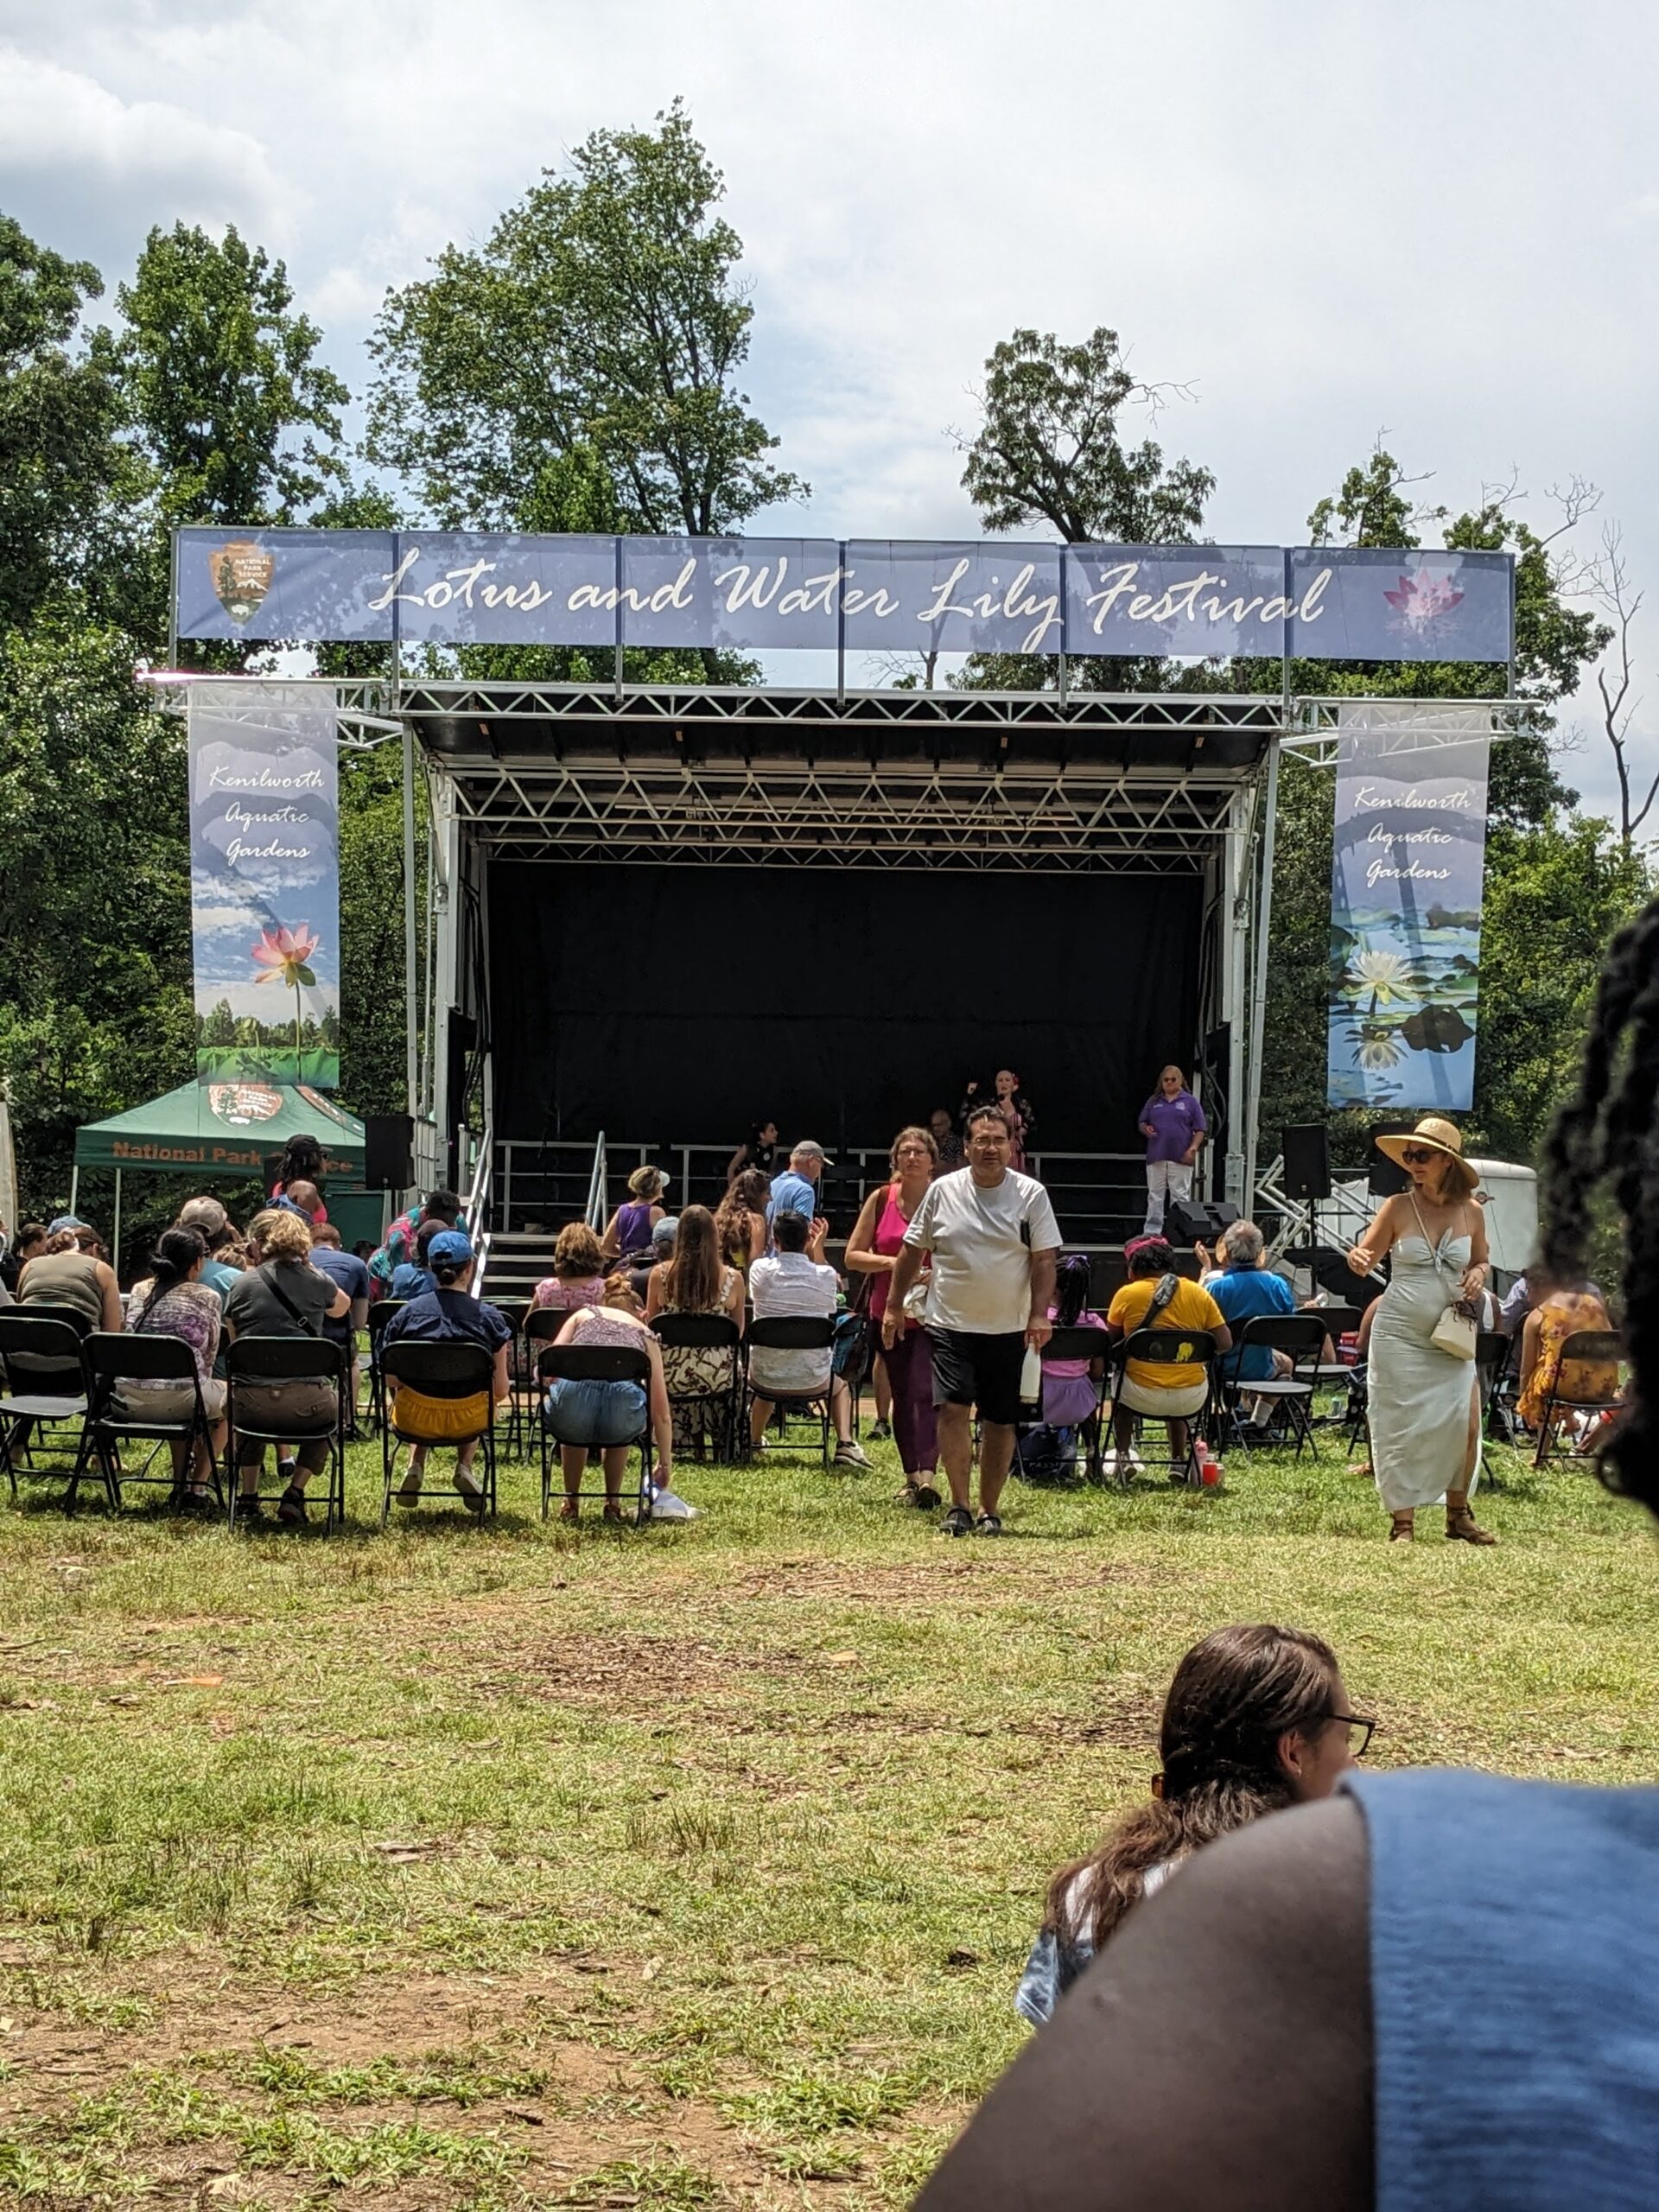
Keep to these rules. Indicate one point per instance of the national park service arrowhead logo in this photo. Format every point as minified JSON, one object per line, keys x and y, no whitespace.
{"x":241,"y":572}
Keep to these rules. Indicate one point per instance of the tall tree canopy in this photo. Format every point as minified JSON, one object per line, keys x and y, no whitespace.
{"x":602,"y":313}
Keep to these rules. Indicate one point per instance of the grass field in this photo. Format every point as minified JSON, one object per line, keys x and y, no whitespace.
{"x":686,"y":1868}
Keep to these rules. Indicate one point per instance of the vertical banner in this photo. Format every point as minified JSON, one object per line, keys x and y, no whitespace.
{"x":1405,"y":877}
{"x":265,"y":883}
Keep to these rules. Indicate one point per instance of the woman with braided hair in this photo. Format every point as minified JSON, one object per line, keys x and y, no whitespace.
{"x":1431,"y":1990}
{"x":1256,"y":1719}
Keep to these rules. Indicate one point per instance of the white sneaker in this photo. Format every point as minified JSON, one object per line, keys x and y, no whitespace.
{"x":851,"y":1455}
{"x":666,"y":1506}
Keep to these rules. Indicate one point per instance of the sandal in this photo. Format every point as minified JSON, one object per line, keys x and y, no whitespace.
{"x":1403,"y":1529}
{"x":989,"y":1524}
{"x":570,"y":1510}
{"x":1462,"y":1527}
{"x":915,"y":1493}
{"x":958,"y":1521}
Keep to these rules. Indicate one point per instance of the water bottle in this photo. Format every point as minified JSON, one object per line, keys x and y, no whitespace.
{"x":1031,"y":1380}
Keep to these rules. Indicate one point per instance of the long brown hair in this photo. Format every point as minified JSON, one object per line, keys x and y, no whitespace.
{"x":691,"y":1279}
{"x":746,"y":1196}
{"x":1233,"y":1697}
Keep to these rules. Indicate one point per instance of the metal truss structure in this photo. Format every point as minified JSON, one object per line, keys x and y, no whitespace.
{"x":1138,"y":783}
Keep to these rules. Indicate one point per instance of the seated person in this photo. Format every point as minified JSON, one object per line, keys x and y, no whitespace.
{"x":329,"y":1257}
{"x":696,"y":1281}
{"x":399,"y":1245}
{"x":29,"y":1240}
{"x":413,"y":1278}
{"x":628,"y":1230}
{"x":180,"y":1304}
{"x":282,"y":1294}
{"x":586,"y":1416}
{"x":71,"y":1269}
{"x":1245,"y":1287}
{"x":1155,"y":1297}
{"x":578,"y":1276}
{"x":1561,"y":1310}
{"x":1256,"y":1719}
{"x":795,"y":1281}
{"x":449,"y":1314}
{"x":1070,"y":1386}
{"x":662,"y":1240}
{"x":740,"y":1219}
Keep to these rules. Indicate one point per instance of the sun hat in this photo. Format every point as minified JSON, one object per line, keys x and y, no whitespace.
{"x":1435,"y":1135}
{"x":450,"y":1244}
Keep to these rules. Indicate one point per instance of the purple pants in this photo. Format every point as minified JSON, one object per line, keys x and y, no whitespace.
{"x":915,"y":1424}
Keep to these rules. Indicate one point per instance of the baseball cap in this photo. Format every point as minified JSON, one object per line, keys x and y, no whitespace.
{"x":61,"y":1221}
{"x":449,"y":1244}
{"x":204,"y":1213}
{"x":666,"y":1229}
{"x":813,"y":1149}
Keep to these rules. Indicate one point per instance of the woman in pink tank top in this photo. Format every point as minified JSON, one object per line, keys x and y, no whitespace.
{"x":871,"y":1250}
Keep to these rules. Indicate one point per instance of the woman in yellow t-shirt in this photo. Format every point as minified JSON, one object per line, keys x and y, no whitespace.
{"x":1169,"y":1390}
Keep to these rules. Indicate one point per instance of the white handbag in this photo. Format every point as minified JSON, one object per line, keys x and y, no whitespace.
{"x":1454,"y":1332}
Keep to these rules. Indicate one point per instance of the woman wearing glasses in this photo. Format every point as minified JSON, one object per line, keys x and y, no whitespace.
{"x":1256,"y":1719}
{"x":1425,"y":1401}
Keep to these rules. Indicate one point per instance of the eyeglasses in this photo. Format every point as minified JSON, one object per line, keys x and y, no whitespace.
{"x":1366,"y":1726}
{"x":1415,"y":1155}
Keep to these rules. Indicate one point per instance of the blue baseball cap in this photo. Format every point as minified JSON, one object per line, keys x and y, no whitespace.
{"x":450,"y":1244}
{"x":62,"y":1221}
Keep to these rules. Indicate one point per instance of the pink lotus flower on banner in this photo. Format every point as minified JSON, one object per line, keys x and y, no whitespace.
{"x":284,"y":954}
{"x":1423,"y":598}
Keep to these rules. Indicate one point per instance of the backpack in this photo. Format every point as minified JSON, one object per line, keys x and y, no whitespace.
{"x":1046,"y":1453}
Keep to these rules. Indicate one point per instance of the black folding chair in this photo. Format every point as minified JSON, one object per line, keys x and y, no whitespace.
{"x":254,"y":1360}
{"x":1091,"y":1344}
{"x":44,"y":1384}
{"x":441,"y":1369}
{"x":1339,"y":1322}
{"x":792,"y":1332}
{"x":594,"y":1364}
{"x":1301,"y":1337}
{"x":113,"y":1358}
{"x":700,"y":1331}
{"x":520,"y":1374}
{"x":1172,"y":1348}
{"x":380,"y":1315}
{"x":1599,"y":1346}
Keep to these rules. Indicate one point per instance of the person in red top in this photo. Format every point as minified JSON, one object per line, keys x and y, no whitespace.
{"x":871,"y":1250}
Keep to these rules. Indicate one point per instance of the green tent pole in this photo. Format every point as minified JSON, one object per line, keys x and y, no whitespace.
{"x":114,"y":1248}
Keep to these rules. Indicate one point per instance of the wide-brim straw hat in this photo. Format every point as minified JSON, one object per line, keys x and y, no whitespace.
{"x":1436,"y":1135}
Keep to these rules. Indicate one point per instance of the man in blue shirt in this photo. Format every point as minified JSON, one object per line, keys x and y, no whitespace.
{"x":352,"y":1274}
{"x":1243,"y":1288}
{"x":796,"y":1191}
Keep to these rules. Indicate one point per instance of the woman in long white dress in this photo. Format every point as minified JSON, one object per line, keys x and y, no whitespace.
{"x":1425,"y":1403}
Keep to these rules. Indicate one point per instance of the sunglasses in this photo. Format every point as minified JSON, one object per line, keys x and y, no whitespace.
{"x":1415,"y":1155}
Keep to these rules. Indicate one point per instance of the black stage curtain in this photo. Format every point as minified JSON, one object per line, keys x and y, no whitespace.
{"x":683,"y":1004}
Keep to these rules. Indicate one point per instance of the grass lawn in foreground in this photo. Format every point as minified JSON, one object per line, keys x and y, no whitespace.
{"x":680,"y":1868}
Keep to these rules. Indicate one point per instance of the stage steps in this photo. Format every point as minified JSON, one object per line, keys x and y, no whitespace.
{"x":518,"y":1261}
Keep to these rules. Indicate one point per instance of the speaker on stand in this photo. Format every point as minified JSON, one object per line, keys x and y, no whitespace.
{"x":388,"y":1151}
{"x":1307,"y":1173}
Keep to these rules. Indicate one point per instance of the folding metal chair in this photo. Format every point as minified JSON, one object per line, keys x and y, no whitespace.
{"x":1091,"y":1344}
{"x":594,"y":1364}
{"x":520,"y":1374}
{"x":1301,"y":1338}
{"x":42,"y":1396}
{"x":1599,"y":1346}
{"x":792,"y":1332}
{"x":700,"y":1331}
{"x":287,"y":1359}
{"x":113,"y":1358}
{"x":441,"y":1369}
{"x":1172,"y":1348}
{"x":380,"y":1315}
{"x":1339,"y":1322}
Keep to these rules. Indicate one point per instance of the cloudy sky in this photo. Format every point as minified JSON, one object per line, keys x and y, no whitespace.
{"x":1433,"y":219}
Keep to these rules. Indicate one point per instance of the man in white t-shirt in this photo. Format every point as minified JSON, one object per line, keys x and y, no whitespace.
{"x":795,"y":1280}
{"x":994,"y":1241}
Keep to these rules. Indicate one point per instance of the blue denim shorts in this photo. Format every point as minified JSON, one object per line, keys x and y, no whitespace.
{"x":594,"y":1413}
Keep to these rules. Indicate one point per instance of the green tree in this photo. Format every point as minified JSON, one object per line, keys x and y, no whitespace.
{"x":602,"y":313}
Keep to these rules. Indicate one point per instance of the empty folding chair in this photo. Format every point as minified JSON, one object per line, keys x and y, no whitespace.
{"x":44,"y":1383}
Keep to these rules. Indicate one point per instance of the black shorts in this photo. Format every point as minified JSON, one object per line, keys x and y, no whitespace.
{"x":969,"y":1369}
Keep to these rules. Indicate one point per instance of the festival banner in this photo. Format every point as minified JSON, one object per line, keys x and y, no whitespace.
{"x":456,"y":587}
{"x":264,"y":883}
{"x":1406,"y":882}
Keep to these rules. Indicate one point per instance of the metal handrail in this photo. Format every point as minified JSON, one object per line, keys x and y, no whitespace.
{"x":594,"y":1215}
{"x":477,"y":1209}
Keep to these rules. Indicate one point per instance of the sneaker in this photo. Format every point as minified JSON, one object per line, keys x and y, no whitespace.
{"x":958,"y":1521}
{"x":408,"y":1492}
{"x":666,"y":1505}
{"x":880,"y":1431}
{"x":291,"y":1508}
{"x":989,"y":1524}
{"x":251,"y":1516}
{"x":851,"y":1455}
{"x":471,"y":1490}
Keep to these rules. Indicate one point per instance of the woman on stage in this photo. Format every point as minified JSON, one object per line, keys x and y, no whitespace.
{"x":1015,"y":1109}
{"x":1425,"y":1402}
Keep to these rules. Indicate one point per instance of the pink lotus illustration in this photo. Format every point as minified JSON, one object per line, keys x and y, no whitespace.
{"x":1423,"y":598}
{"x":285,"y":955}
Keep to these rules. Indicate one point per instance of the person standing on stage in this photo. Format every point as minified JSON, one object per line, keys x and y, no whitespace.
{"x":1014,"y":1108}
{"x":1172,"y":1123}
{"x":758,"y":1150}
{"x":948,"y":1145}
{"x":994,"y":1242}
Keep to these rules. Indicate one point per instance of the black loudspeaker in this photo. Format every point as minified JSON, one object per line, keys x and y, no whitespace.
{"x":1187,"y":1220}
{"x":388,"y":1151}
{"x":1387,"y":1177}
{"x":1307,"y":1161}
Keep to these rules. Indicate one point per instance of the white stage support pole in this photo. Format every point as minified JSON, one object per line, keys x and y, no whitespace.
{"x":1259,"y":996}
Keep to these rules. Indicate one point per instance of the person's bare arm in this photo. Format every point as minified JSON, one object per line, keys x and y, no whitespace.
{"x":1223,"y":1337}
{"x":654,"y":1292}
{"x":110,"y":1293}
{"x":906,"y":1269}
{"x":860,"y":1257}
{"x":608,"y":1242}
{"x":1378,"y":1238}
{"x":1038,"y":1327}
{"x":1532,"y":1328}
{"x":662,"y":1419}
{"x":1475,"y":1274}
{"x":360,"y":1314}
{"x":1219,"y":2053}
{"x":734,"y":1302}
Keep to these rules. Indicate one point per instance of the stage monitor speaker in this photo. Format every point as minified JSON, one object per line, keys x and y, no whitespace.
{"x":388,"y":1151}
{"x":1307,"y":1161}
{"x":1187,"y":1220}
{"x":1387,"y":1177}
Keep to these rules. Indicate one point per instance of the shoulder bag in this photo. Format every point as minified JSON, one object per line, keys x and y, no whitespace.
{"x":1454,"y":1332}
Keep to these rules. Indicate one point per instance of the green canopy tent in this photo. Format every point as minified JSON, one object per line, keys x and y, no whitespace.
{"x":219,"y":1131}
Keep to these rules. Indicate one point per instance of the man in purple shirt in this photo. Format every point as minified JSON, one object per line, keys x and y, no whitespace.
{"x":1171,"y":1121}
